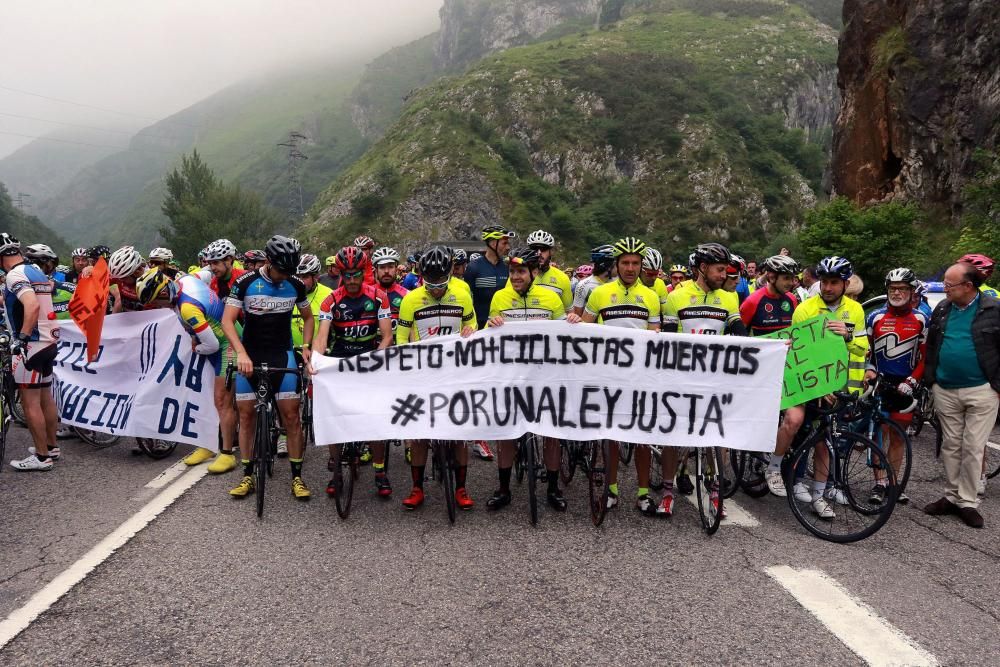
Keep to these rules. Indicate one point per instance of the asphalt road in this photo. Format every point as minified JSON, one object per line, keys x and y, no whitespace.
{"x":208,"y":583}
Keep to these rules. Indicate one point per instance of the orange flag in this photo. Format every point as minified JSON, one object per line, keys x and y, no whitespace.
{"x":89,"y":303}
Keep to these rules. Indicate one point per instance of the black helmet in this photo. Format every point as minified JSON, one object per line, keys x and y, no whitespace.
{"x":711,"y":253}
{"x":99,"y":251}
{"x":284,"y":253}
{"x":435,"y":264}
{"x":603,"y":258}
{"x":526,"y":256}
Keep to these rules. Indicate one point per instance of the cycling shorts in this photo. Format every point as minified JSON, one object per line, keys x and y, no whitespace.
{"x":222,"y":358}
{"x":34,"y":368}
{"x":893,"y":401}
{"x":285,"y":386}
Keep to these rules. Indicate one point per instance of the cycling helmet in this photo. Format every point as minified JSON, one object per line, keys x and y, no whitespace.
{"x":9,"y":245}
{"x":309,"y":264}
{"x":385,"y":255}
{"x":781,"y":264}
{"x":39,"y":252}
{"x":330,"y":261}
{"x":151,"y":284}
{"x":737,"y":265}
{"x":603,"y":257}
{"x":679,"y":268}
{"x":124,"y":262}
{"x":836,"y":267}
{"x":161,"y":254}
{"x":351,"y":258}
{"x":283,"y":253}
{"x":459,"y":257}
{"x":62,"y":268}
{"x":364,"y":242}
{"x":542,"y":238}
{"x":920,"y":289}
{"x":79,"y":252}
{"x":982,"y":263}
{"x":652,"y":260}
{"x":584,"y":270}
{"x":435,"y":264}
{"x":99,"y":251}
{"x":902,"y":275}
{"x":474,"y":256}
{"x":710,"y":253}
{"x":201,"y":254}
{"x":628,"y":245}
{"x":492,"y":232}
{"x":220,"y":249}
{"x":525,"y":256}
{"x":254,"y":256}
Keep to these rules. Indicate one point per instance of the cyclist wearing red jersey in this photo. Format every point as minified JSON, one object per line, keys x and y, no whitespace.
{"x":125,"y":266}
{"x":366,"y":244}
{"x":770,"y":309}
{"x":385,"y":261}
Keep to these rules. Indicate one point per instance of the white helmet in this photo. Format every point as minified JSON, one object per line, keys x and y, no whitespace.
{"x":162,"y":254}
{"x":385,"y":255}
{"x":39,"y":252}
{"x":652,"y":260}
{"x":308,"y":264}
{"x":220,"y":249}
{"x":124,"y":262}
{"x":782,"y":264}
{"x":542,"y":238}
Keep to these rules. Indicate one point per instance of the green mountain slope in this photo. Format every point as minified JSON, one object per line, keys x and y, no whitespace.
{"x":683,"y":121}
{"x":27,"y":229}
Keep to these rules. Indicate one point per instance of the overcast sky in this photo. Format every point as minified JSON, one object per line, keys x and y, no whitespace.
{"x":150,"y":58}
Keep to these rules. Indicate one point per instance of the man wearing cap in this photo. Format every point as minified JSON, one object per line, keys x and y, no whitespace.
{"x":330,"y":279}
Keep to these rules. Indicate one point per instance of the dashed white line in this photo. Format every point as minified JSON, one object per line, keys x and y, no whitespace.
{"x":990,"y":443}
{"x":857,"y":625}
{"x":23,"y":617}
{"x":167,"y":476}
{"x":735,"y":515}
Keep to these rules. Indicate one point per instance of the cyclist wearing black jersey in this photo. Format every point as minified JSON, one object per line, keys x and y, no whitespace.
{"x":265,"y":298}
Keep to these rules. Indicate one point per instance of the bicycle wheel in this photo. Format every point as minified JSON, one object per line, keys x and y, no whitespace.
{"x":156,"y":449}
{"x":708,"y":480}
{"x":96,"y":438}
{"x":519,"y":466}
{"x":906,"y":452}
{"x":4,"y":427}
{"x":567,"y":461}
{"x":729,"y":474}
{"x":625,"y":452}
{"x":273,"y":432}
{"x":348,"y":475}
{"x":261,"y":448}
{"x":597,"y":477}
{"x":854,"y":466}
{"x":448,"y":478}
{"x":992,"y":455}
{"x":16,"y":409}
{"x":655,"y":470}
{"x":528,"y":448}
{"x":752,"y":467}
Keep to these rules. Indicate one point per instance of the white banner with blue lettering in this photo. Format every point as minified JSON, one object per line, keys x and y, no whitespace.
{"x":146,"y":382}
{"x":570,"y":381}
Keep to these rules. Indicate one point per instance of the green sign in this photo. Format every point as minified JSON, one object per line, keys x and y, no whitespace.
{"x":816,"y":364}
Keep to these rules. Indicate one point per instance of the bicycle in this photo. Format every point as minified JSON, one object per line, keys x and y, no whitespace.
{"x":5,"y":404}
{"x":443,"y":469}
{"x":8,"y":388}
{"x":592,"y":457}
{"x":529,"y":464}
{"x":708,"y":477}
{"x":265,"y":439}
{"x":346,"y":475}
{"x":872,"y":421}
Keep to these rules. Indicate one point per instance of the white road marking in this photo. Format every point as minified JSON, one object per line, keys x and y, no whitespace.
{"x":21,"y":618}
{"x":168,"y":475}
{"x":990,"y":443}
{"x":735,"y":515}
{"x":851,"y":621}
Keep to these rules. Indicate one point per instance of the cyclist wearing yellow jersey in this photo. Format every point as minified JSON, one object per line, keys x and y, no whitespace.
{"x":626,"y":302}
{"x":435,"y":309}
{"x":652,"y":262}
{"x":846,"y":318}
{"x":522,"y":300}
{"x":550,"y":276}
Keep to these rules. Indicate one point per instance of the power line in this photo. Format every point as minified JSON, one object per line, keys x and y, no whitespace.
{"x":90,"y":127}
{"x":84,"y":143}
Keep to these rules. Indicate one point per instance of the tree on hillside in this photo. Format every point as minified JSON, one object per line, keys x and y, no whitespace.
{"x":201,"y":208}
{"x":27,"y":228}
{"x":981,"y":215}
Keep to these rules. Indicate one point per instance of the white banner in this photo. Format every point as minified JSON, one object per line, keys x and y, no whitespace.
{"x":570,"y":381}
{"x":146,"y":382}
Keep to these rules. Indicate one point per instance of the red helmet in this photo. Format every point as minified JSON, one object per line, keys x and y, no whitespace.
{"x":351,"y":258}
{"x":982,"y":263}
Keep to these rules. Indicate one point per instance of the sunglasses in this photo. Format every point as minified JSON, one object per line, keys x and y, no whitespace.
{"x":353,"y":275}
{"x":429,"y":285}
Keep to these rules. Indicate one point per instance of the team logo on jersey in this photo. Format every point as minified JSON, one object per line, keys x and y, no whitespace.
{"x":768,"y":308}
{"x":694,"y":300}
{"x":638,"y":299}
{"x":614,"y":298}
{"x":369,"y":305}
{"x":513,"y":303}
{"x":716,"y":301}
{"x":785,"y":306}
{"x":535,"y":302}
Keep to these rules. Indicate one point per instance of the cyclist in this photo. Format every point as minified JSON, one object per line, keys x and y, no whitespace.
{"x":386,"y":261}
{"x":125,"y":267}
{"x":488,"y":274}
{"x":736,"y":281}
{"x":252,"y":259}
{"x":550,"y":276}
{"x":652,"y":262}
{"x":920,"y":300}
{"x":79,"y":256}
{"x":770,"y":308}
{"x":366,"y":244}
{"x":844,"y":317}
{"x":46,"y":259}
{"x":603,"y":259}
{"x":583,"y":271}
{"x":460,"y":260}
{"x":265,"y":298}
{"x":308,"y":272}
{"x":162,"y":258}
{"x":523,"y":299}
{"x":35,"y":331}
{"x":626,"y":302}
{"x":678,"y":274}
{"x":897,"y":340}
{"x":698,"y":306}
{"x":411,"y":280}
{"x":330,"y":279}
{"x":984,"y":265}
{"x":435,"y":309}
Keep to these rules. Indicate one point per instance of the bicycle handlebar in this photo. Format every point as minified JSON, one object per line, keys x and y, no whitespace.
{"x":263,"y":369}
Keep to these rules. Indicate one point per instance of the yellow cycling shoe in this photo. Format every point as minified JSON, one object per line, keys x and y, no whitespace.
{"x":222,"y":463}
{"x":199,"y":455}
{"x":299,"y":489}
{"x":243,"y":488}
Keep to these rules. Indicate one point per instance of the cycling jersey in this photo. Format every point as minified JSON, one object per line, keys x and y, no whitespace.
{"x":850,"y":312}
{"x":62,"y":293}
{"x":459,"y":285}
{"x":267,"y":310}
{"x":763,"y":313}
{"x":486,"y":279}
{"x":126,"y":292}
{"x":538,"y":304}
{"x":354,"y":320}
{"x":897,"y":340}
{"x":986,"y":289}
{"x":396,"y":292}
{"x":34,"y":367}
{"x":633,"y":307}
{"x":584,"y":288}
{"x":661,"y":290}
{"x":223,"y":287}
{"x":691,"y":310}
{"x":428,"y":317}
{"x":316,"y":298}
{"x":558,"y":282}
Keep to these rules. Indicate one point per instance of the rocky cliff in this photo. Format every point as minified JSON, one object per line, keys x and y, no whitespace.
{"x":920,"y":81}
